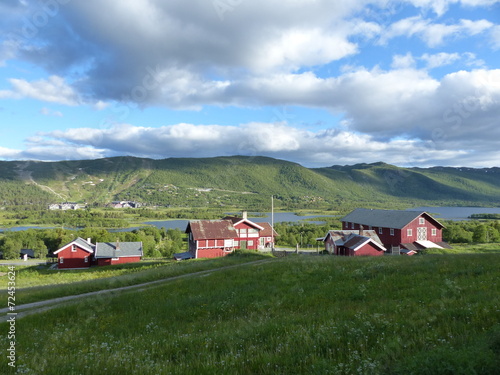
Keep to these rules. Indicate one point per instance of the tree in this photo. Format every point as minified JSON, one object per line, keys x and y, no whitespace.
{"x":11,"y":249}
{"x":40,"y":249}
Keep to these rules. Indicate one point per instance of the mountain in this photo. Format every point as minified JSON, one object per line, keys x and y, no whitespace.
{"x":247,"y":182}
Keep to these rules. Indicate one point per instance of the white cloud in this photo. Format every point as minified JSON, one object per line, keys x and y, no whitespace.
{"x":403,"y":62}
{"x":440,"y":59}
{"x":433,"y":34}
{"x":53,"y":90}
{"x":48,"y":112}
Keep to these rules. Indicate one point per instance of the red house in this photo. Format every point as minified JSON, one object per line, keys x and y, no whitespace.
{"x":400,"y":231}
{"x":209,"y":239}
{"x":82,"y":253}
{"x":216,"y":238}
{"x":252,"y":236}
{"x":353,"y":243}
{"x":107,"y":253}
{"x":76,"y":254}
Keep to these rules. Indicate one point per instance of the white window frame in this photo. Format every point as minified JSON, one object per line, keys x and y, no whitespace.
{"x":86,"y":259}
{"x":61,"y":260}
{"x":73,"y":248}
{"x":392,"y":231}
{"x":409,"y":232}
{"x":380,"y":230}
{"x":250,"y":243}
{"x":115,"y":258}
{"x":421,"y":221}
{"x":434,"y":232}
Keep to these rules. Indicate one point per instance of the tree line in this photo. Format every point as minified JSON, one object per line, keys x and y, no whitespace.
{"x":157,"y":242}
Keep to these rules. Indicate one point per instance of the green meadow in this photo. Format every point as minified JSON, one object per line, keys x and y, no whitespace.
{"x":430,"y":314}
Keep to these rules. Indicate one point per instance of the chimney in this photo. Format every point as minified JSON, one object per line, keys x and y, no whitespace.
{"x":89,"y":240}
{"x":244,"y":214}
{"x":117,"y":244}
{"x":361,"y":230}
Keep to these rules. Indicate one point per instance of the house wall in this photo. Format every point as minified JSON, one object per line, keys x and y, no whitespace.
{"x":121,"y":260}
{"x":211,"y":253}
{"x":73,"y":259}
{"x":252,"y":239}
{"x":369,"y":249}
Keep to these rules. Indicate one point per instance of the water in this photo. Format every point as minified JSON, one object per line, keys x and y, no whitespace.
{"x":456,"y":213}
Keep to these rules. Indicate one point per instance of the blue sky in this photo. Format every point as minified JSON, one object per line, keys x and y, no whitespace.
{"x":317,"y":82}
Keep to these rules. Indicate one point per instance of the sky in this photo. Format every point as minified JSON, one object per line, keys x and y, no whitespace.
{"x":413,"y":83}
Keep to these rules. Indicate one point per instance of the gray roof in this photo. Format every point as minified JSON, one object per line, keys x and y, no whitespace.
{"x":352,"y":239}
{"x":117,"y":250}
{"x":396,"y":219}
{"x":340,"y":236}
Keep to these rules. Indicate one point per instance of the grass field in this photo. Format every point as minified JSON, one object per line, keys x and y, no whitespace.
{"x":296,"y":315}
{"x":38,"y":283}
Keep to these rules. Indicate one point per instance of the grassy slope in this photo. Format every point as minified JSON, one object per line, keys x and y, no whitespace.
{"x":312,"y":315}
{"x":232,"y":178}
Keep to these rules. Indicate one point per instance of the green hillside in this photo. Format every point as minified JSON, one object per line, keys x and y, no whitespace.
{"x":243,"y":181}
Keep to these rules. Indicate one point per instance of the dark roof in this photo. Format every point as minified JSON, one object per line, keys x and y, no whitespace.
{"x":29,"y":252}
{"x":211,"y":229}
{"x":183,"y":256}
{"x":117,"y":250}
{"x":386,"y":218}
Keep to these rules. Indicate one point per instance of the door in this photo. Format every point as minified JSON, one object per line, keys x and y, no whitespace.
{"x":243,"y":245}
{"x":422,"y":234}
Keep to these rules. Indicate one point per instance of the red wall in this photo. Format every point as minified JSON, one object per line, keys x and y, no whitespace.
{"x":211,"y":253}
{"x":369,"y":249}
{"x":73,"y":259}
{"x":400,"y":235}
{"x":122,"y":260}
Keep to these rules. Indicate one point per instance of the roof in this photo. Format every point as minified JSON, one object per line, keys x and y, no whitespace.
{"x":340,"y":236}
{"x":81,"y":243}
{"x":183,"y":256}
{"x":268,"y":230}
{"x":211,"y":229}
{"x":237,"y":220}
{"x":118,"y":249}
{"x":353,"y":240}
{"x":396,"y":219}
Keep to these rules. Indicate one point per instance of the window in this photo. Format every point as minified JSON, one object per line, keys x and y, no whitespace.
{"x":243,"y":232}
{"x":434,"y":231}
{"x":61,"y":260}
{"x":236,"y":243}
{"x":392,"y":231}
{"x":73,"y":248}
{"x":352,"y":225}
{"x":250,"y":243}
{"x":115,"y":258}
{"x":86,"y":259}
{"x":409,"y":232}
{"x":421,"y":220}
{"x":380,"y":231}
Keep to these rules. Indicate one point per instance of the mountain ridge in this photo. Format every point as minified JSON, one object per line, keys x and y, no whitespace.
{"x":246,"y":181}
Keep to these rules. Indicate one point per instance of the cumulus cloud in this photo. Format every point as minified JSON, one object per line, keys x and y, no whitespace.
{"x":53,"y":90}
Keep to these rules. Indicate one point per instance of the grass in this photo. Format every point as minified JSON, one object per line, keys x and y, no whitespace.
{"x":482,"y":248}
{"x":296,"y":315}
{"x":38,"y":283}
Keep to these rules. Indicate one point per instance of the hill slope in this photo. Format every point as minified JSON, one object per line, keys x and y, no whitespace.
{"x":243,"y":181}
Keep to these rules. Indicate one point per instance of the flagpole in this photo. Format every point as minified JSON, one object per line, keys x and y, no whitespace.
{"x":272,"y":222}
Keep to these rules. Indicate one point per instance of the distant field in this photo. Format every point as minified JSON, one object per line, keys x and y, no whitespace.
{"x":296,"y":315}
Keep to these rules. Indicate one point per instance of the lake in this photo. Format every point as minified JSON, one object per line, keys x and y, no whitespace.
{"x":456,"y":213}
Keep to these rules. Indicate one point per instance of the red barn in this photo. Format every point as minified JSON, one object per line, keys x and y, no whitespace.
{"x":76,"y":254}
{"x":400,"y":231}
{"x":353,"y":243}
